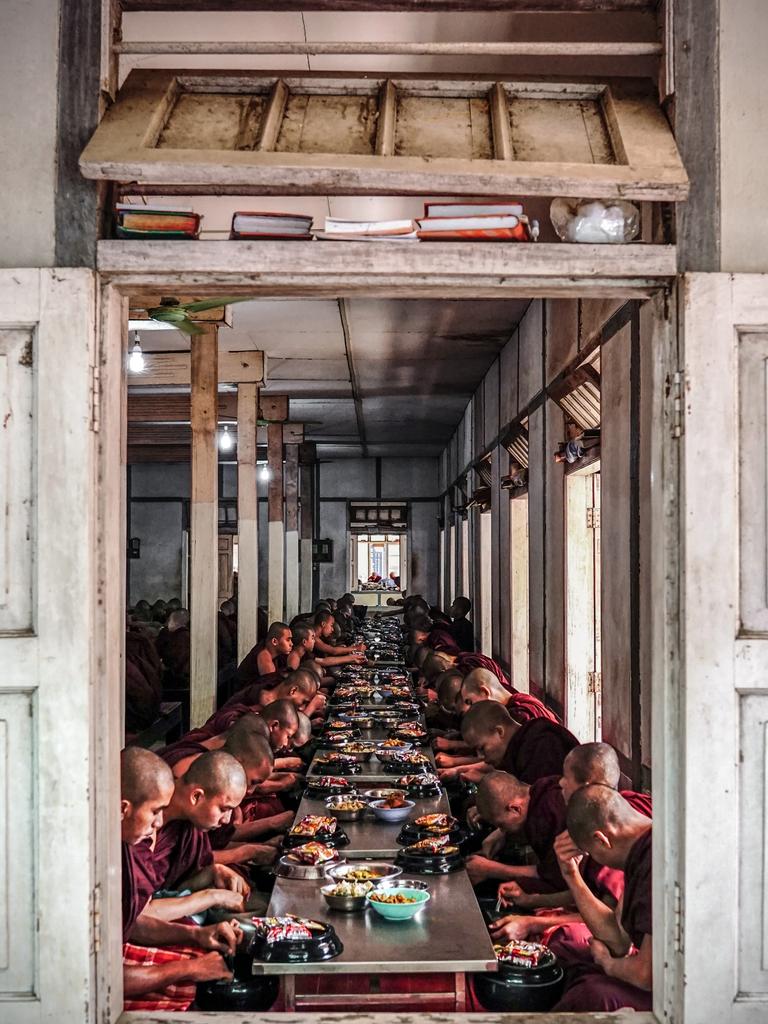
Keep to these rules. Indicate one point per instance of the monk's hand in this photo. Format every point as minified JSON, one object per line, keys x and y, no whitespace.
{"x":473,"y":817}
{"x":441,"y":743}
{"x":479,"y":868}
{"x":291,"y":764}
{"x":210,"y":967}
{"x":508,"y":928}
{"x":511,"y":895}
{"x":443,"y":760}
{"x":225,"y":878}
{"x":280,"y":822}
{"x":601,"y":954}
{"x":569,"y":856}
{"x":445,"y":774}
{"x":261,"y":854}
{"x":227,"y":900}
{"x":222,"y":937}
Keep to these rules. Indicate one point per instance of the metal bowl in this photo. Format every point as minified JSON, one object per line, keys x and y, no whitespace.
{"x":392,"y":814}
{"x":402,"y":883}
{"x":382,"y":870}
{"x":380,"y":794}
{"x":348,"y":904}
{"x":332,"y":805}
{"x":287,"y":868}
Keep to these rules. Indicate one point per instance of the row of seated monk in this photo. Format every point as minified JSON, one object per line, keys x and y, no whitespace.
{"x":203,"y":815}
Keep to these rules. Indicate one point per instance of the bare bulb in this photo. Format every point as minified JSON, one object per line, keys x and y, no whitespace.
{"x":136,"y":357}
{"x":226,"y":442}
{"x":264,"y":474}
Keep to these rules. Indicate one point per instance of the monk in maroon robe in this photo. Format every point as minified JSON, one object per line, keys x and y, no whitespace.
{"x":528,"y":751}
{"x":147,"y":789}
{"x":267,"y":661}
{"x":173,"y":646}
{"x":602,"y":824}
{"x":481,"y":684}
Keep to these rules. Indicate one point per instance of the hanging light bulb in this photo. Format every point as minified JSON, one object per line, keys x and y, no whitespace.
{"x":226,"y":441}
{"x":136,"y":358}
{"x":265,"y":474}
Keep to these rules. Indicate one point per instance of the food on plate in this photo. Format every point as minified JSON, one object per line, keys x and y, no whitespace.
{"x":329,"y":782}
{"x":349,"y":805}
{"x":418,"y":780}
{"x":393,"y":744}
{"x":523,"y":954}
{"x":312,"y":854}
{"x":287,"y":928}
{"x":393,"y":800}
{"x":359,"y":748}
{"x":349,"y":888}
{"x":312,"y":824}
{"x":435,"y":822}
{"x":433,"y":846}
{"x":361,"y":874}
{"x":382,"y":896}
{"x":337,"y":724}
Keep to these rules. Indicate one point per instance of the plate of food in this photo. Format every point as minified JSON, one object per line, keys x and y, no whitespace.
{"x":363,"y":871}
{"x":392,"y":808}
{"x":430,"y":856}
{"x":430,"y":826}
{"x":421,"y":785}
{"x":294,"y":940}
{"x":317,"y":828}
{"x":336,"y":763}
{"x":409,"y":762}
{"x":346,"y":808}
{"x":308,"y":861}
{"x":346,"y":895}
{"x":323,"y":786}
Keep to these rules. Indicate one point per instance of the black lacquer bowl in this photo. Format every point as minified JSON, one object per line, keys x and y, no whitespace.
{"x":421,"y":863}
{"x":336,"y":839}
{"x":244,"y":992}
{"x":324,"y":945}
{"x":516,"y":989}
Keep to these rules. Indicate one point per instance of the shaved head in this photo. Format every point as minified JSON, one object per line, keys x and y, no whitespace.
{"x":210,"y":789}
{"x":480,"y":684}
{"x":304,"y":734}
{"x":248,"y":723}
{"x":143,"y":775}
{"x":215,"y":772}
{"x":251,"y":748}
{"x":277,"y":629}
{"x":495,"y":791}
{"x":178,"y":620}
{"x":593,"y":763}
{"x":603,"y":824}
{"x":282,"y":717}
{"x":310,"y":665}
{"x":448,"y":685}
{"x":435,"y":664}
{"x":488,"y":727}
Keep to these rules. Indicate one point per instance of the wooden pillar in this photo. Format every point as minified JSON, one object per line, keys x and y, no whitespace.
{"x":276,"y":538}
{"x":306,"y":529}
{"x":291,"y":531}
{"x":247,"y":520}
{"x":204,"y":590}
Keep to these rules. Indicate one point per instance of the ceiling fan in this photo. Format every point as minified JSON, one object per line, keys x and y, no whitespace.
{"x":178,"y":314}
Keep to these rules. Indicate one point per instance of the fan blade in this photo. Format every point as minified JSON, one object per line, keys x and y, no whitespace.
{"x":185,"y":326}
{"x":204,"y":304}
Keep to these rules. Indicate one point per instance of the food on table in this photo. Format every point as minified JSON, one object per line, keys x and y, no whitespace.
{"x":312,"y":854}
{"x":349,"y":888}
{"x":434,"y":822}
{"x":359,"y":748}
{"x":287,"y":928}
{"x":349,"y":805}
{"x":312,"y":824}
{"x":432,"y":846}
{"x":336,"y":723}
{"x":381,"y":896}
{"x":393,"y":744}
{"x":393,"y":800}
{"x":523,"y":954}
{"x":360,"y":874}
{"x":412,"y":757}
{"x":329,"y":782}
{"x":334,"y":757}
{"x":418,"y":780}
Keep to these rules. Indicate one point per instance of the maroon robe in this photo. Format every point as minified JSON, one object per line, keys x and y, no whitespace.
{"x":223,"y":719}
{"x":543,"y":824}
{"x":537,"y":749}
{"x":588,"y":988}
{"x":180,"y":851}
{"x":463,"y":633}
{"x":185,"y":747}
{"x":524,"y":706}
{"x":174,"y":648}
{"x":248,"y":673}
{"x":440,"y":639}
{"x":603,"y":880}
{"x":135,"y":895}
{"x":467,"y":662}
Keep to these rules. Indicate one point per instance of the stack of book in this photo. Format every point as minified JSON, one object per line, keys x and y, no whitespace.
{"x":476,"y":221}
{"x":337,"y":230}
{"x":286,"y":226}
{"x":159,"y":222}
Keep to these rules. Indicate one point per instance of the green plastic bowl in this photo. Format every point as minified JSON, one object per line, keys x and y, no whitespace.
{"x":400,"y":911}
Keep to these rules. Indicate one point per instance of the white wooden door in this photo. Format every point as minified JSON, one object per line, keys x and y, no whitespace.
{"x":724,"y":666}
{"x":47,"y":674}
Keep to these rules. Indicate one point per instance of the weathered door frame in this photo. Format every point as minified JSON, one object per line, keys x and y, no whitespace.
{"x":141,"y":270}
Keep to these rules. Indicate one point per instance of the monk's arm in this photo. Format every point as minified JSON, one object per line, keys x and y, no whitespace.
{"x":138,"y":980}
{"x":480,"y":867}
{"x":171,"y":908}
{"x":339,"y":659}
{"x":293,"y":660}
{"x":150,"y":930}
{"x":455,"y":760}
{"x":457,"y":746}
{"x":600,"y":919}
{"x":634,"y":970}
{"x":254,"y":829}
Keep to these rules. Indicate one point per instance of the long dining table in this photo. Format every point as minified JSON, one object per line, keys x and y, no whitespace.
{"x":449,"y":936}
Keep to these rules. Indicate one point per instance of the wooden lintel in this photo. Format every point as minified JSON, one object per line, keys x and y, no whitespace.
{"x":221,"y":315}
{"x":174,"y":408}
{"x":273,"y":408}
{"x":409,"y":6}
{"x":204,"y":518}
{"x":174,"y":368}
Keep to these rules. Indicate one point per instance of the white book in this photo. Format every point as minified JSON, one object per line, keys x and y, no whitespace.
{"x":337,"y":236}
{"x":467,"y":223}
{"x":472,"y":209}
{"x":333,"y":225}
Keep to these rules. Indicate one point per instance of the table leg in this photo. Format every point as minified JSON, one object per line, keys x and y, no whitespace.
{"x":461,"y":992}
{"x":289,"y":992}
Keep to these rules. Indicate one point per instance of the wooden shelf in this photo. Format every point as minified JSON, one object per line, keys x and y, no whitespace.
{"x":438,"y":269}
{"x":405,"y":6}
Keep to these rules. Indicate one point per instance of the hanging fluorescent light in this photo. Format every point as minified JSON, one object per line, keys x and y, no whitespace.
{"x":136,"y":358}
{"x":226,"y":441}
{"x":264,"y":474}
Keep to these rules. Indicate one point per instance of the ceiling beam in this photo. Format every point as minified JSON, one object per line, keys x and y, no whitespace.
{"x":174,"y":368}
{"x":342,"y":303}
{"x":534,"y":48}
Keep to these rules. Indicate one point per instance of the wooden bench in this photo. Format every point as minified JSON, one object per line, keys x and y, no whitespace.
{"x":166,"y":728}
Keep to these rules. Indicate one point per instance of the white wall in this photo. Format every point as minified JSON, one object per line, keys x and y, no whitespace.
{"x":29,"y":41}
{"x":744,"y":135}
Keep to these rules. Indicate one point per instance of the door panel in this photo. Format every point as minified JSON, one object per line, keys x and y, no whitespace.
{"x":47,"y":463}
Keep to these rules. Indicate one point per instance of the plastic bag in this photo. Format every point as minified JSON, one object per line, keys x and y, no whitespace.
{"x":595,"y":221}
